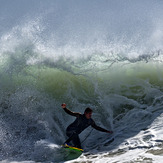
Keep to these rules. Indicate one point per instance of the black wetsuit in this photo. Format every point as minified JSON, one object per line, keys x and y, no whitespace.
{"x":75,"y":128}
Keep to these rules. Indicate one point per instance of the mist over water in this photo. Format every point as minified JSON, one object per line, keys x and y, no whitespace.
{"x":79,"y":29}
{"x":101,"y":54}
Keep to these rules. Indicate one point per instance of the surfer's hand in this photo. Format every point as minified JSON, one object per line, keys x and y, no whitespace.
{"x":63,"y":105}
{"x":110,"y":132}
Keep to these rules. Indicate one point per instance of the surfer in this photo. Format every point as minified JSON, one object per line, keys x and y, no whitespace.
{"x":81,"y":122}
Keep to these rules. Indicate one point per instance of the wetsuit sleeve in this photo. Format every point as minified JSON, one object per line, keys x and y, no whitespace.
{"x":97,"y":127}
{"x":71,"y":113}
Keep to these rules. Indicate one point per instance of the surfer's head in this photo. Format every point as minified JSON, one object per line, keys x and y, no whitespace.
{"x":88,"y":113}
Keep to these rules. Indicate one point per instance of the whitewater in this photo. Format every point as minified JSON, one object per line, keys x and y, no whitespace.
{"x":106,"y":55}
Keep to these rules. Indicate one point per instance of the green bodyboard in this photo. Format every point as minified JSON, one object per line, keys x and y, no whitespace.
{"x":71,"y":152}
{"x":72,"y":148}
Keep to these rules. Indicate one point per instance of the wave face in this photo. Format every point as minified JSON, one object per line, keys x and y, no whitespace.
{"x":104,"y":55}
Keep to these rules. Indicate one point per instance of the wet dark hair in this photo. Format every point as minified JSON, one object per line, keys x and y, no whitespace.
{"x":88,"y":110}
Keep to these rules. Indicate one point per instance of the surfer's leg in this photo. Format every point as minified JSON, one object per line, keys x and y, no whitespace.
{"x":70,"y":135}
{"x":76,"y":141}
{"x":74,"y":137}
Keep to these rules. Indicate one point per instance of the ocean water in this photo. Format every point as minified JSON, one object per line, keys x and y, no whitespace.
{"x":106,"y":55}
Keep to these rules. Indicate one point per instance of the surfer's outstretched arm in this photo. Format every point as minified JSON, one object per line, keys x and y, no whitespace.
{"x":69,"y":111}
{"x":100,"y":128}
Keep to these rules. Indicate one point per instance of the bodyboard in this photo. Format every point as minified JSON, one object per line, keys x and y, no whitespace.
{"x":70,"y":152}
{"x":72,"y":148}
